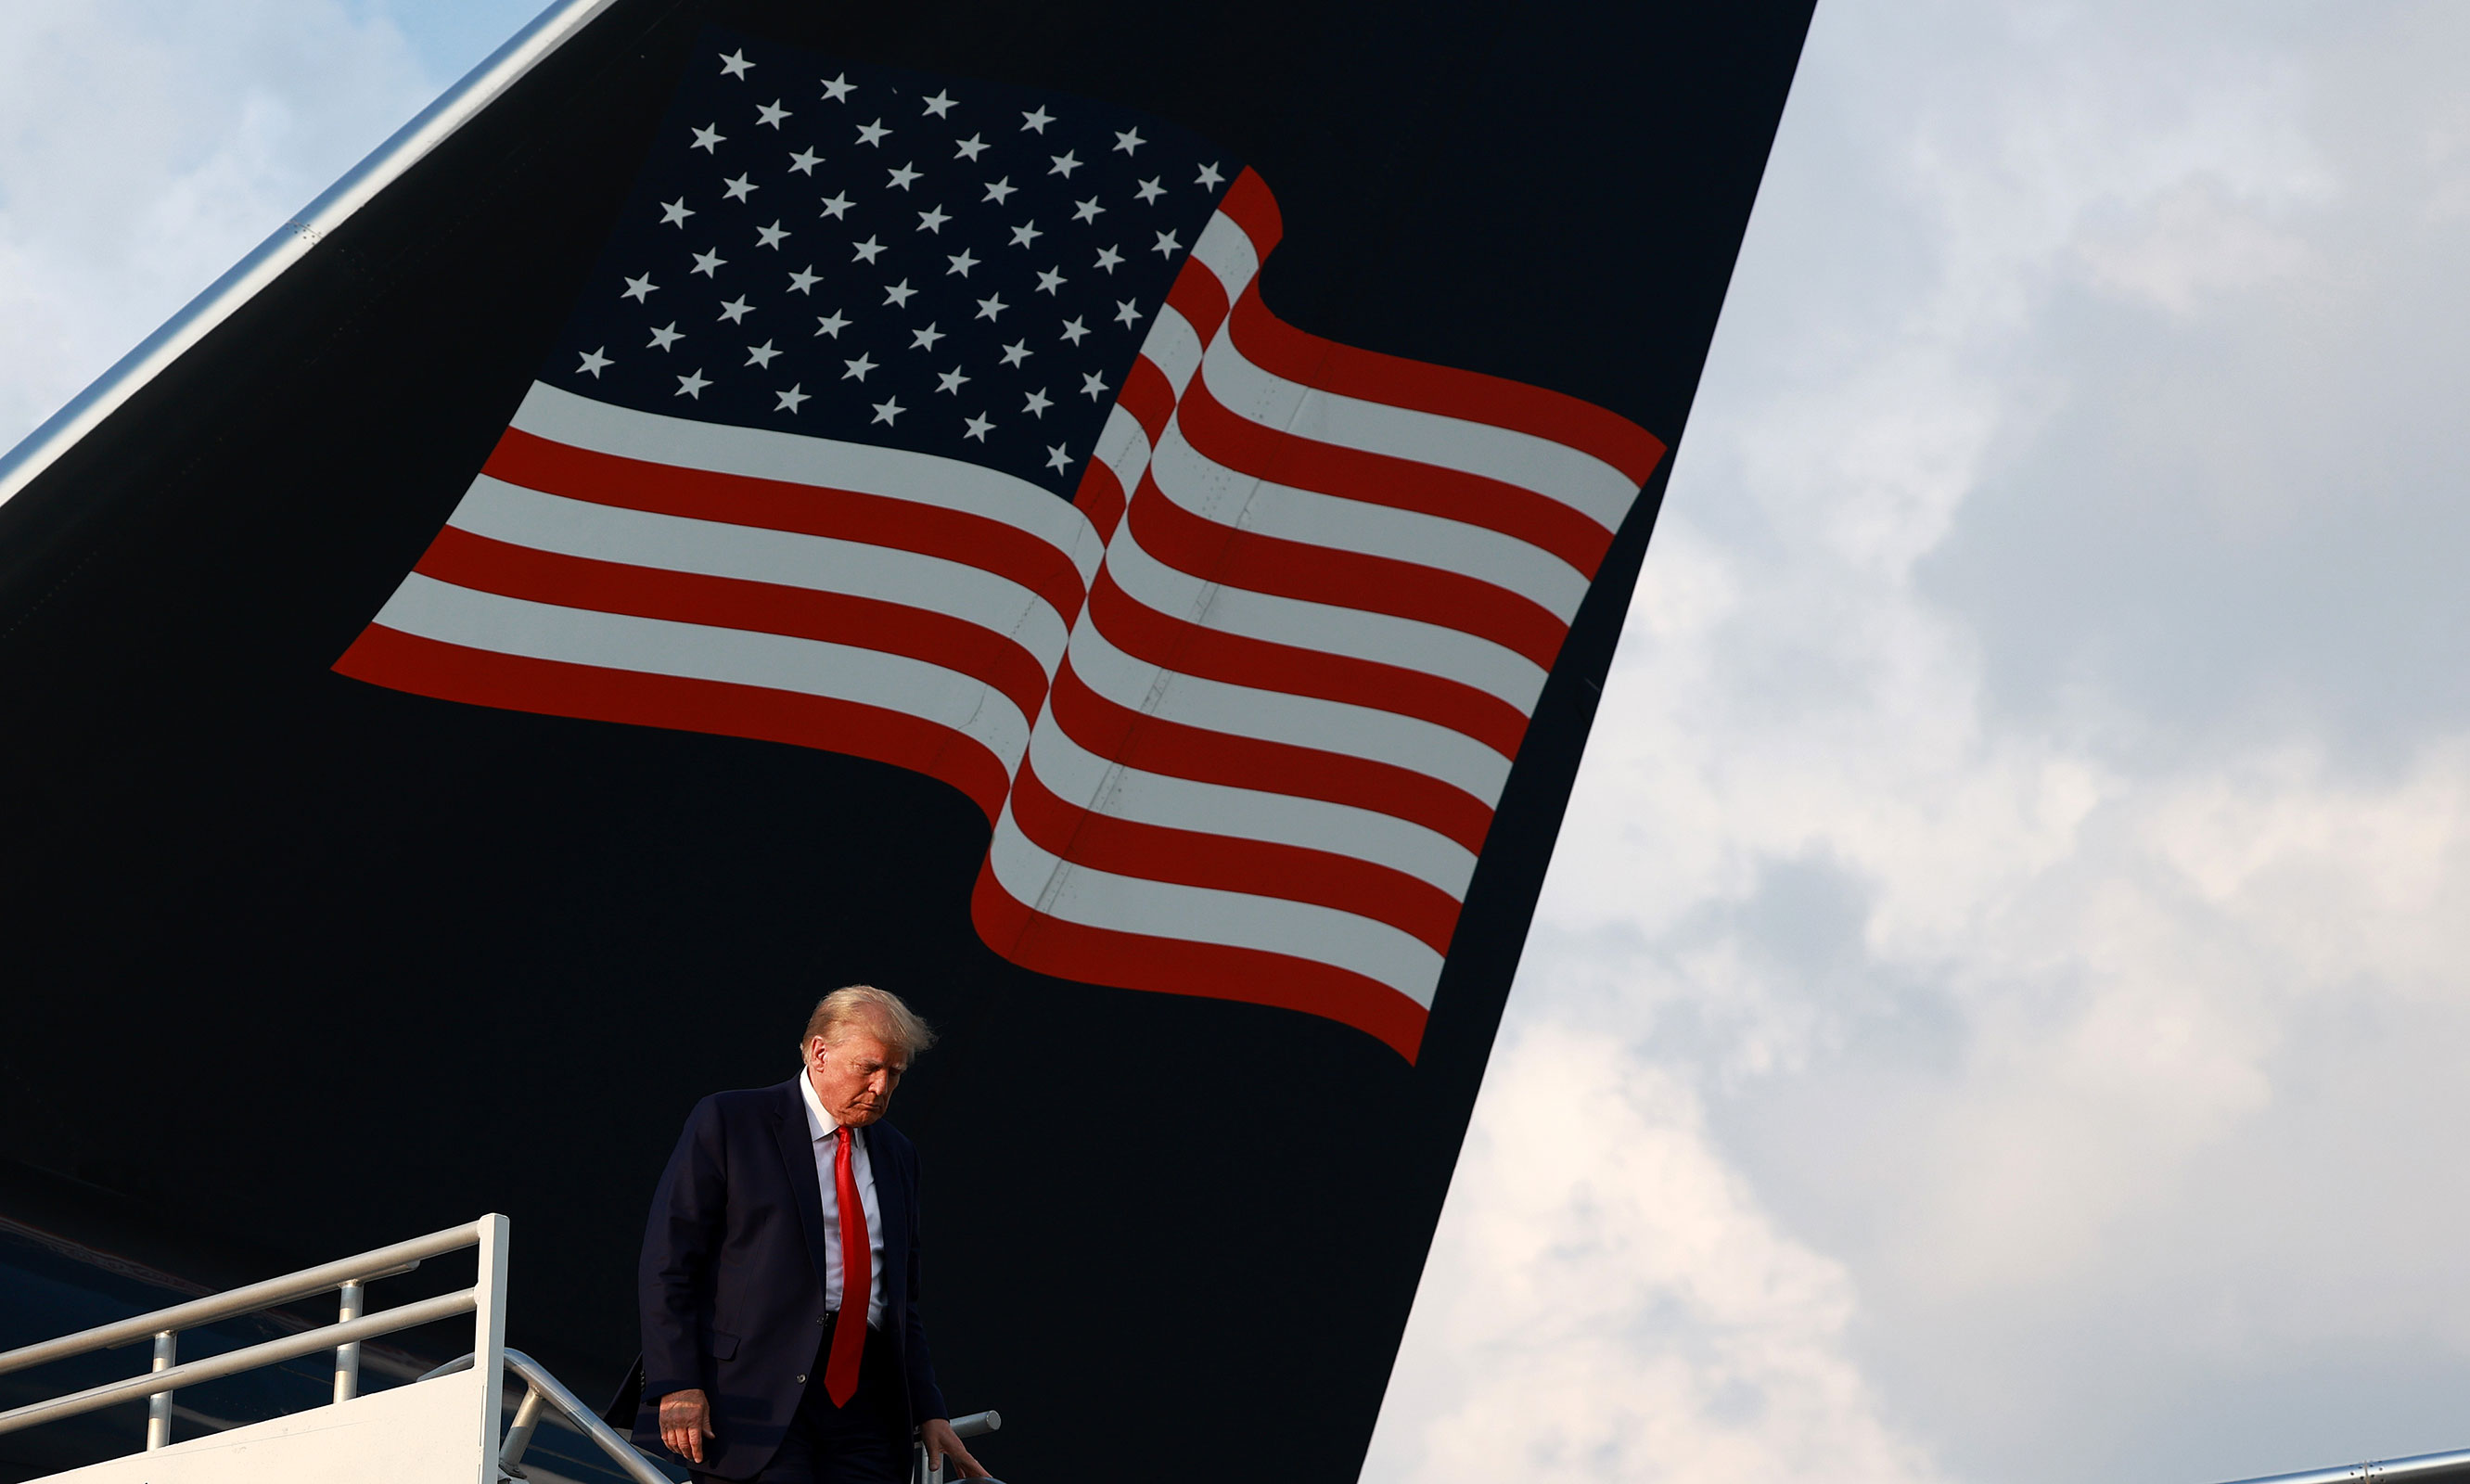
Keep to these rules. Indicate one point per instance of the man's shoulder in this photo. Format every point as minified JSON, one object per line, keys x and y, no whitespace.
{"x":743,"y":1103}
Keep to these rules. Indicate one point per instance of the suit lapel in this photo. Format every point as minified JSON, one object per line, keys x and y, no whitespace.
{"x":892,"y":1201}
{"x":797,"y":1155}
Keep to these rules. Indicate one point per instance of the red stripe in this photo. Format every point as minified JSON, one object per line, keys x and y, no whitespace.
{"x":1272,"y":453}
{"x":552,"y":688}
{"x":1148,"y":396}
{"x":1200,"y":298}
{"x":1189,"y":648}
{"x":468,"y":561}
{"x":1167,"y":965}
{"x":1156,"y":745}
{"x":1343,"y":579}
{"x":1225,"y":863}
{"x":1100,"y":496}
{"x":1248,"y":204}
{"x":781,"y":505}
{"x":1283,"y":350}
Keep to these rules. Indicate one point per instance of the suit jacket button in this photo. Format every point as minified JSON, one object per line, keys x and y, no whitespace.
{"x":801,"y":1380}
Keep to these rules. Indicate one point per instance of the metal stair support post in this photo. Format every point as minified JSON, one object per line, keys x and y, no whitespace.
{"x":347,"y":1356}
{"x":158,"y":1406}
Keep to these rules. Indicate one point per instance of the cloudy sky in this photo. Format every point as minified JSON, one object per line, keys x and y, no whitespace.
{"x":1993,"y":1015}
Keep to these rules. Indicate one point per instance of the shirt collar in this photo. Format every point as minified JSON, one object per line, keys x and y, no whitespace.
{"x":819,"y":1124}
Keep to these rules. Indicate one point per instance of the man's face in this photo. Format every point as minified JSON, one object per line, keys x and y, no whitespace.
{"x":854,"y":1075}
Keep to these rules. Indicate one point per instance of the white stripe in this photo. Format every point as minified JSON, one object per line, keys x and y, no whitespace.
{"x":1130,"y":904}
{"x":450,"y":615}
{"x":1193,"y":478}
{"x":1578,"y":479}
{"x":1276,"y":716}
{"x":639,"y":538}
{"x":761,"y":453}
{"x":1173,"y":347}
{"x":1353,"y":631}
{"x":1226,"y":251}
{"x":1073,"y":773}
{"x":1124,"y":448}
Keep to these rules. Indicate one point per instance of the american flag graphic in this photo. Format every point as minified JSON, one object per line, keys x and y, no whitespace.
{"x":941,"y":423}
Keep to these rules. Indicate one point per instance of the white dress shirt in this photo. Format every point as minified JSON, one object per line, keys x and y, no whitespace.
{"x":824,"y":1129}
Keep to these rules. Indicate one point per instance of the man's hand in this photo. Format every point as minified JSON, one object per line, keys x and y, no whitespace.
{"x":941,"y":1442}
{"x":685,"y":1421}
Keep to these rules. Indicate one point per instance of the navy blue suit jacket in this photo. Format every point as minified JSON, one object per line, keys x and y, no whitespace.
{"x":732,"y":1281}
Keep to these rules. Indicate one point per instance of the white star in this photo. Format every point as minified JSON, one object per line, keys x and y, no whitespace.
{"x":899,"y":293}
{"x":838,"y":90}
{"x":972,"y":148}
{"x":804,"y":161}
{"x":675,"y":212}
{"x":1167,"y":245}
{"x":961,"y":263}
{"x":771,"y":236}
{"x":1064,"y":164}
{"x":1074,"y":329}
{"x":1055,"y":457}
{"x":1036,"y":120}
{"x":805,"y":280}
{"x":1108,"y":258}
{"x":1000,"y":187}
{"x":760,"y":354}
{"x":1025,"y":234}
{"x":641,"y":290}
{"x":1087,"y":211}
{"x":950,"y":381}
{"x":708,"y":139}
{"x":1129,"y":141}
{"x":867,"y":251}
{"x":1209,"y":176}
{"x":832,"y":324}
{"x":592,"y":361}
{"x":1127,"y":311}
{"x":857,"y":369}
{"x":902,"y":176}
{"x":692,"y":385}
{"x":1149,"y":190}
{"x":835,"y":205}
{"x":706,"y":262}
{"x":736,"y":309}
{"x":924,"y":340}
{"x":932,"y":220}
{"x":991,"y":308}
{"x":790,"y":399}
{"x":1038,"y":403}
{"x":740,"y":188}
{"x":1049,"y":281}
{"x":666,"y":336}
{"x":872,"y":134}
{"x":735,"y":65}
{"x":978,"y":428}
{"x":886,"y":411}
{"x":771,"y":113}
{"x":1016,"y":353}
{"x":1093,"y":385}
{"x":939,"y":105}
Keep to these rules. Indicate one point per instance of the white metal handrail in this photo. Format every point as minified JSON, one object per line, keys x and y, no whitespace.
{"x":546,"y":1392}
{"x":350,"y":1276}
{"x":2419,"y":1469}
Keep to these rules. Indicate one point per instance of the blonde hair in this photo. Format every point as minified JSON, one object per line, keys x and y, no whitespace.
{"x":856,"y":1005}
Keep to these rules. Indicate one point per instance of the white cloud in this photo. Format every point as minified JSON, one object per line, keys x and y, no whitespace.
{"x":2013,"y":910}
{"x":146,"y":144}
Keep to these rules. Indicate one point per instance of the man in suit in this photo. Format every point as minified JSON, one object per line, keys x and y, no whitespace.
{"x":782,"y":1338}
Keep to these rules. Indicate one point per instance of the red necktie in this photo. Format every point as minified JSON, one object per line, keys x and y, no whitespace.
{"x":857,"y":1281}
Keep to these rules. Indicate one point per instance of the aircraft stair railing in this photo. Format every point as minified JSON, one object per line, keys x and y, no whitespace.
{"x":413,"y":1433}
